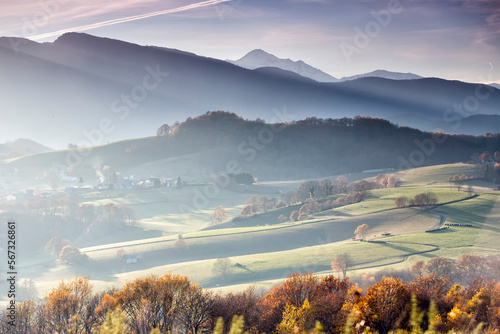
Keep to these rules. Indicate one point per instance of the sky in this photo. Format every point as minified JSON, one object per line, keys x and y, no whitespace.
{"x":451,"y":39}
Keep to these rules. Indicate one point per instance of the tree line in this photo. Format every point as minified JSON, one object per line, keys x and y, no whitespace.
{"x":438,"y":295}
{"x":314,"y":196}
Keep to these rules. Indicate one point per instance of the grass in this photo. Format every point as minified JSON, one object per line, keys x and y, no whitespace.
{"x":271,"y":250}
{"x":435,"y":175}
{"x":383,"y":200}
{"x":482,"y":212}
{"x":276,"y":265}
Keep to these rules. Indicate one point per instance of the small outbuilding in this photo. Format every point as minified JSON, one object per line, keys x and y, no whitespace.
{"x":129,"y":258}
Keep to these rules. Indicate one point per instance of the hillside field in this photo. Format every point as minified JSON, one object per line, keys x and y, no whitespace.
{"x":267,"y":250}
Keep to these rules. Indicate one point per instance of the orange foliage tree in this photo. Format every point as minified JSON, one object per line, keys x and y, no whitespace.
{"x":362,"y":231}
{"x":385,"y":303}
{"x":159,"y":302}
{"x":70,"y":305}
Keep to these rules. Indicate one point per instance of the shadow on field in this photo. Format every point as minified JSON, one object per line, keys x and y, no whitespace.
{"x":400,"y":248}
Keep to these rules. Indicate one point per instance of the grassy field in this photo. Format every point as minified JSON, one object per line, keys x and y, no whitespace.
{"x":269,"y":250}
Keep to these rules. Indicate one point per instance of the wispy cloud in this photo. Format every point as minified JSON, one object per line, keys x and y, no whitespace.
{"x":128,"y":19}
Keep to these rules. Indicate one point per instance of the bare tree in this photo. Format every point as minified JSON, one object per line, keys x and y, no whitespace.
{"x":223,"y":267}
{"x":470,"y":190}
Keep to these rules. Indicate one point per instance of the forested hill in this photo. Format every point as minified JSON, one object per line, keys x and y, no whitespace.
{"x":312,"y":147}
{"x":282,"y":150}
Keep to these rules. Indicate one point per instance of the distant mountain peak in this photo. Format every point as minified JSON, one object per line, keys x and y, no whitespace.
{"x":384,"y":74}
{"x":495,"y":85}
{"x":259,"y":58}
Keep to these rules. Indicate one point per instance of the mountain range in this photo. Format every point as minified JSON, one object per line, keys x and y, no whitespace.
{"x":261,"y":59}
{"x":88,"y":90}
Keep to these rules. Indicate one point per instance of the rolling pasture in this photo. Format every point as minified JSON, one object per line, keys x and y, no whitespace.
{"x":267,"y":250}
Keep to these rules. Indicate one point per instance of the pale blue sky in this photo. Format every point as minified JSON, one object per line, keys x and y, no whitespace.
{"x":452,"y":39}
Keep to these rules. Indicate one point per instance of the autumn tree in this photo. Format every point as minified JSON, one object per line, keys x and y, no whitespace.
{"x":309,"y":189}
{"x":115,"y":323}
{"x":425,"y":199}
{"x":418,"y":268}
{"x":165,"y":295}
{"x":431,"y":287}
{"x":86,"y":212}
{"x":341,"y":263}
{"x":264,"y":203}
{"x":72,"y":256}
{"x":252,"y":203}
{"x":382,"y":180}
{"x":227,"y":306}
{"x":401,"y":201}
{"x":294,"y":291}
{"x":327,"y":187}
{"x":302,"y":216}
{"x":362,"y":186}
{"x":56,"y":244}
{"x":26,"y":315}
{"x":129,"y":214}
{"x":246,"y":211}
{"x":362,"y":231}
{"x":496,"y":170}
{"x":385,"y":302}
{"x":431,"y":198}
{"x":471,"y":266}
{"x":163,"y":130}
{"x":282,"y":218}
{"x":195,"y":314}
{"x":107,"y":304}
{"x":70,"y":306}
{"x":392,"y":181}
{"x":296,"y":319}
{"x":342,"y":184}
{"x":280,"y":204}
{"x":485,"y":156}
{"x":440,"y":266}
{"x":67,"y":206}
{"x":305,"y":209}
{"x":291,"y":197}
{"x":496,"y":155}
{"x":219,"y":215}
{"x":294,"y":216}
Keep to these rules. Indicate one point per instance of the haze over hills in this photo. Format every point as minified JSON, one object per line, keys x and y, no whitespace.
{"x":384,"y":74}
{"x":85,"y":88}
{"x":21,"y":147}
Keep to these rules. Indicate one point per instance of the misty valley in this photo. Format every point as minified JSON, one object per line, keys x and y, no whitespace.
{"x":152,"y":190}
